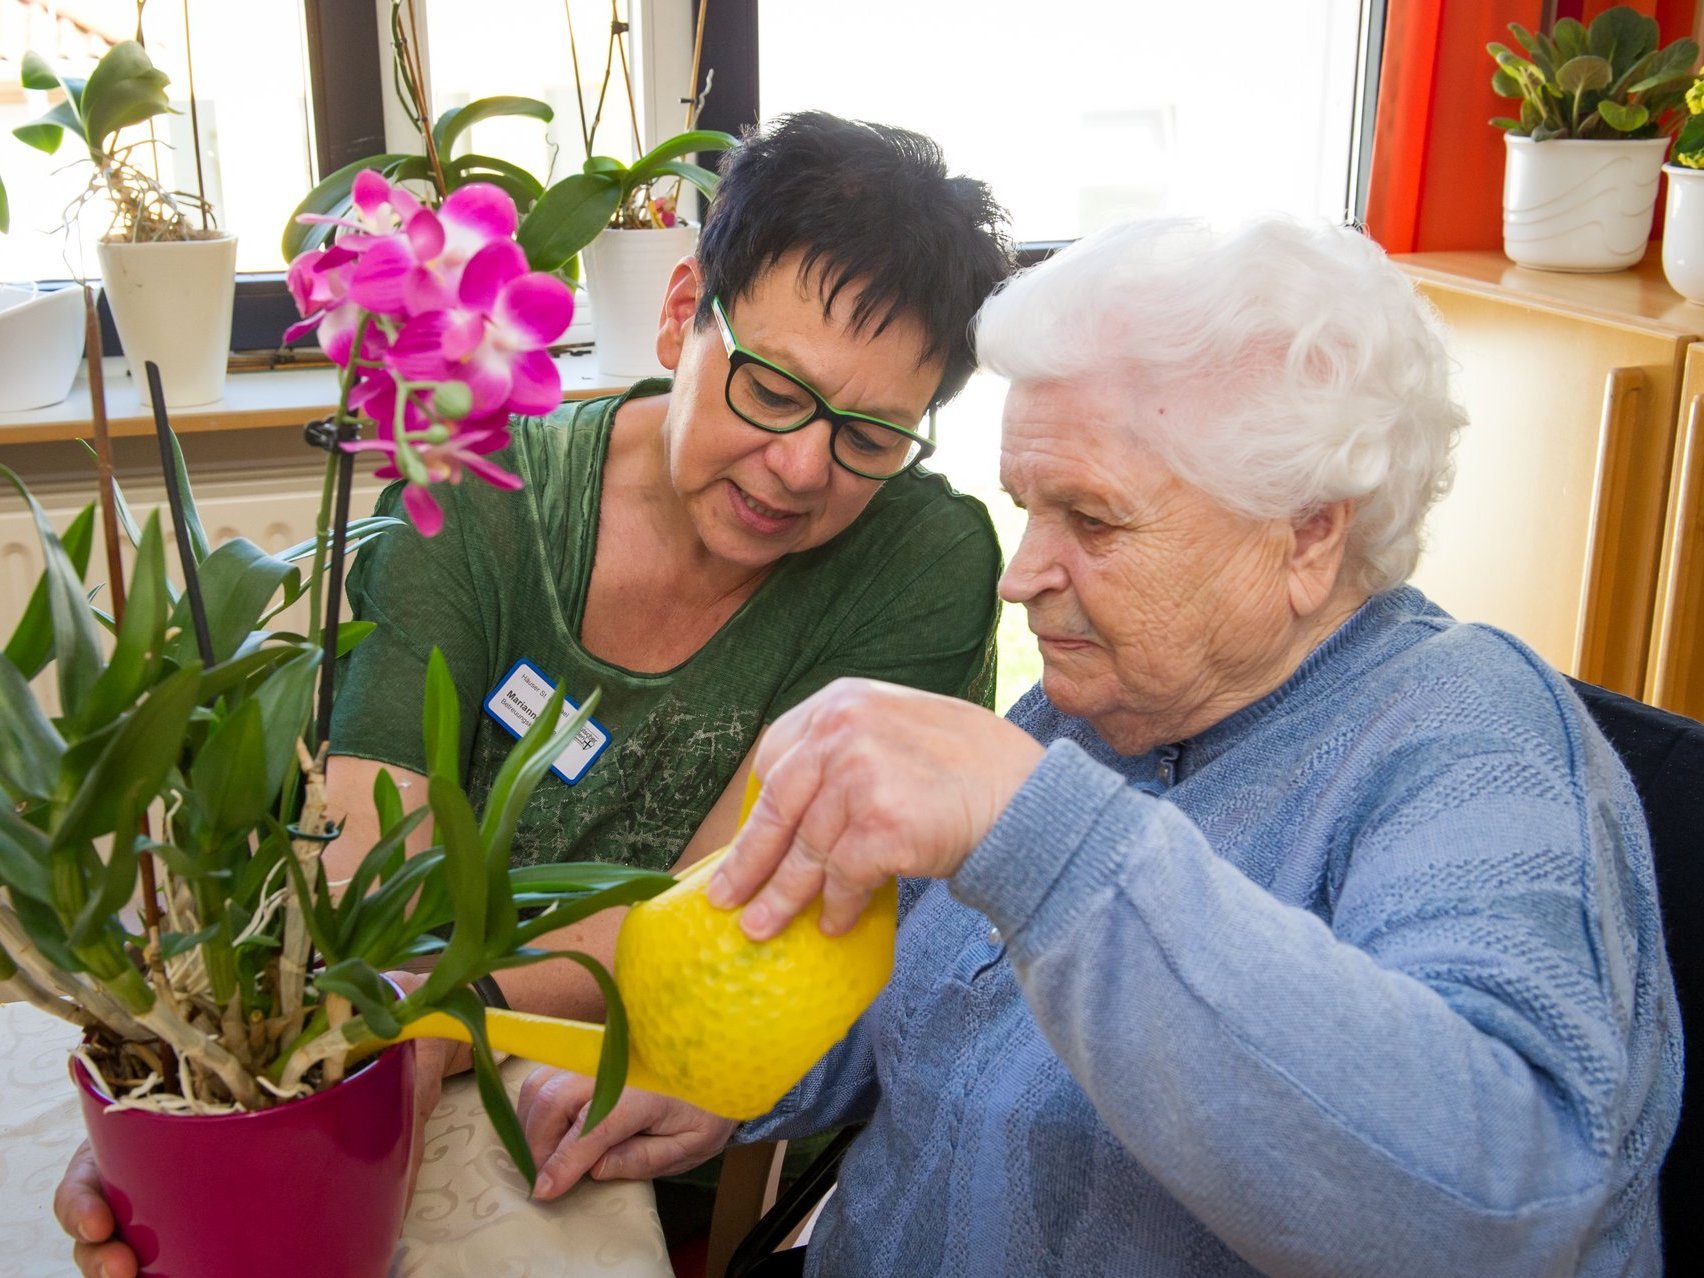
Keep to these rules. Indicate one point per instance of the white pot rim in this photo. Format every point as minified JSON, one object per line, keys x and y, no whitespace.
{"x":1684,"y":170}
{"x":1511,"y":139}
{"x":223,"y":237}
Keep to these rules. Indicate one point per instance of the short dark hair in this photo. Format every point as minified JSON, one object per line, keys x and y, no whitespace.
{"x":869,"y":207}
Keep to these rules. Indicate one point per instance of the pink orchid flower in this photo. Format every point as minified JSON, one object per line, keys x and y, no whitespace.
{"x":446,"y":303}
{"x":463,"y":451}
{"x":494,"y":339}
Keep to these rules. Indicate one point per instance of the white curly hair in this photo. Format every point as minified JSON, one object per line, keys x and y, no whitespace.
{"x":1325,"y":369}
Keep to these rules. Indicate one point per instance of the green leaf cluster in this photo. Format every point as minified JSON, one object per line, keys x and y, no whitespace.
{"x":212,"y":751}
{"x":1608,"y":81}
{"x":123,"y":90}
{"x":556,"y":221}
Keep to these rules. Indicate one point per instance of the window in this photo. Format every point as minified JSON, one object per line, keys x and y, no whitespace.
{"x":1083,"y":115}
{"x":277,"y":102}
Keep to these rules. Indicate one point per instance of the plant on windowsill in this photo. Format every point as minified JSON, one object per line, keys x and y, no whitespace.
{"x":563,"y":220}
{"x":183,"y":769}
{"x":1598,"y":105}
{"x":168,"y":274}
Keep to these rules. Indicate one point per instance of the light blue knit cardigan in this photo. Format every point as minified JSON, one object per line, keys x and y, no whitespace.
{"x":1376,"y":987}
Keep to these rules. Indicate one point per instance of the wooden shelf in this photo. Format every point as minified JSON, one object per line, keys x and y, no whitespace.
{"x":253,"y":400}
{"x":1638,"y":297}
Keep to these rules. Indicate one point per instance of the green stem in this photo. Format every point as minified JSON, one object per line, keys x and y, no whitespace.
{"x":322,"y":520}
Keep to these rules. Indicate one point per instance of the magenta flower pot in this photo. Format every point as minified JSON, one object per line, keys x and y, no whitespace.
{"x":315,"y":1187}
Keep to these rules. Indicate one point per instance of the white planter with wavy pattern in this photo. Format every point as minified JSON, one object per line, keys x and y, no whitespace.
{"x":1579,"y":206}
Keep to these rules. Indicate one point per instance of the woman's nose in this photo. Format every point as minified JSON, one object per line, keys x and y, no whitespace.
{"x":802,"y":459}
{"x":1032,"y":570}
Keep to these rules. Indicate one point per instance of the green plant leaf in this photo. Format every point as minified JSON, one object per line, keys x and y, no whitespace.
{"x":612,"y":1057}
{"x":564,"y":910}
{"x":117,"y":881}
{"x":520,"y":186}
{"x":229,"y":772}
{"x":384,"y":927}
{"x":366,"y":989}
{"x":220,"y":679}
{"x":1623,"y":119}
{"x":286,"y":700}
{"x":333,"y":197}
{"x":387,"y":800}
{"x":1671,"y":65}
{"x":1570,"y":38}
{"x":381,"y":862}
{"x":457,"y":120}
{"x":465,"y":878}
{"x":37,"y":73}
{"x":1506,"y":124}
{"x":360,"y":530}
{"x":1621,"y":37}
{"x":696,"y":174}
{"x":1690,"y":142}
{"x":47,"y":932}
{"x":465,"y":1006}
{"x":30,"y":746}
{"x":140,"y":754}
{"x":23,"y":858}
{"x":198,"y":544}
{"x":125,"y":88}
{"x":47,"y":132}
{"x":1582,"y":73}
{"x":136,"y":654}
{"x":442,"y":721}
{"x":173,"y":944}
{"x":238,"y":581}
{"x":567,"y":217}
{"x":76,"y":638}
{"x":529,"y":759}
{"x":5,"y":211}
{"x":31,"y":643}
{"x":650,"y":164}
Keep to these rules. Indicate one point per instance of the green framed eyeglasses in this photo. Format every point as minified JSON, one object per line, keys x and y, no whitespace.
{"x":770,"y":398}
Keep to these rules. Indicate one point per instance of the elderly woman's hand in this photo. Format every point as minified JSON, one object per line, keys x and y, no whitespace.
{"x":644,"y":1136}
{"x":862,"y":782}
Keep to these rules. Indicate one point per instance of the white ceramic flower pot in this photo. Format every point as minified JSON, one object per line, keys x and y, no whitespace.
{"x":1683,"y":232}
{"x":1579,"y":206}
{"x":171,"y":303}
{"x":627,"y":273}
{"x":41,"y":344}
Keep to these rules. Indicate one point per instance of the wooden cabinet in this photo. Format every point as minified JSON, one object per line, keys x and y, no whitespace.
{"x":1574,"y":521}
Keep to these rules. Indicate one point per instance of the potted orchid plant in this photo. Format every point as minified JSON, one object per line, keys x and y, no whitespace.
{"x":183,"y":771}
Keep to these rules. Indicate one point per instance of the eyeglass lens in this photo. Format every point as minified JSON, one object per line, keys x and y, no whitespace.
{"x":771,"y":401}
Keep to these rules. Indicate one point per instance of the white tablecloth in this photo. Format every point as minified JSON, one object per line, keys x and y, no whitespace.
{"x":470,"y":1215}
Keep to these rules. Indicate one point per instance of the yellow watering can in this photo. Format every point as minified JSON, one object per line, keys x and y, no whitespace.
{"x":714,"y":1018}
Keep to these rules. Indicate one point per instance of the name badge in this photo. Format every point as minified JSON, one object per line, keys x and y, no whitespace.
{"x":518,"y":700}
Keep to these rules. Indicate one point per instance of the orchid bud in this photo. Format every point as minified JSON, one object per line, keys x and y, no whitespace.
{"x":451,"y":401}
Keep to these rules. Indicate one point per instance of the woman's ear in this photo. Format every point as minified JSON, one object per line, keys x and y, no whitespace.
{"x":680,"y":306}
{"x":1317,"y":548}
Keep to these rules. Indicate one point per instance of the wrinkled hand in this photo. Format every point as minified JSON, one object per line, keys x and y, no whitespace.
{"x":83,"y":1212}
{"x":862,"y":782}
{"x":645,"y":1135}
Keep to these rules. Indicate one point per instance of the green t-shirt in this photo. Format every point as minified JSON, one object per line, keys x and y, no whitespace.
{"x":905,"y":594}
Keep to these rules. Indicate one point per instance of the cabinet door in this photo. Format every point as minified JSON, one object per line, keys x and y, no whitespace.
{"x":1553,"y":526}
{"x":1675,"y":679}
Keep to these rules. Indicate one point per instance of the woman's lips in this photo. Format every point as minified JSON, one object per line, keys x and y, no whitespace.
{"x":757,"y":515}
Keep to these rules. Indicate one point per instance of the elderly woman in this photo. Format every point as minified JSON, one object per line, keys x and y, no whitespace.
{"x":1288,"y":926}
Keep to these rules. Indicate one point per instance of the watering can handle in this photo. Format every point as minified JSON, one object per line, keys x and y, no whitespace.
{"x":571,"y":1045}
